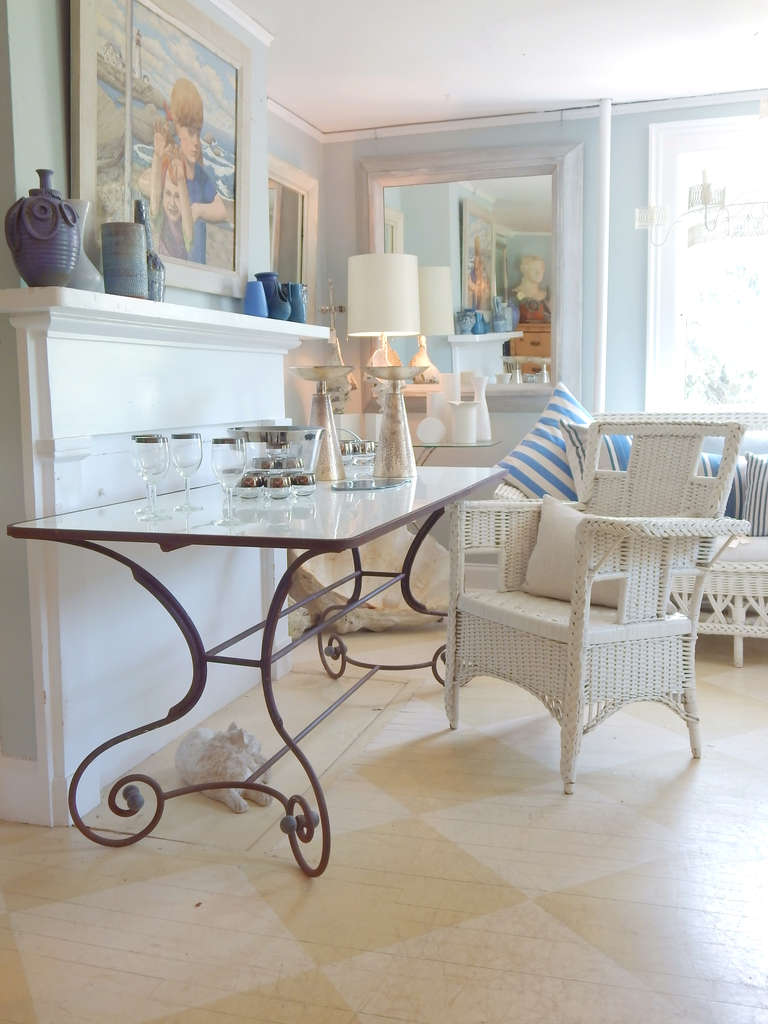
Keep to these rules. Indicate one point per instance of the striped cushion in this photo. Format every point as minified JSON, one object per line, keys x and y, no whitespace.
{"x":709,"y":465}
{"x":614,"y":451}
{"x":538,"y":464}
{"x":756,"y":494}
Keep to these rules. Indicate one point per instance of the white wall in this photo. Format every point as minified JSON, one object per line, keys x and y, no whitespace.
{"x":106,"y":680}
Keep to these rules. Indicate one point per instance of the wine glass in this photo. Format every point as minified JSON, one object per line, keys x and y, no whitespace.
{"x":228,"y":463}
{"x":186,"y":456}
{"x":151,"y":459}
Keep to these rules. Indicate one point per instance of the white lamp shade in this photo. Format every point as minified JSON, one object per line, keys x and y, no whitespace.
{"x":436,"y":300}
{"x":382,"y":294}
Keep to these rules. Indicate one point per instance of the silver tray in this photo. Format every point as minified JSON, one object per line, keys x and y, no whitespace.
{"x":369,"y":483}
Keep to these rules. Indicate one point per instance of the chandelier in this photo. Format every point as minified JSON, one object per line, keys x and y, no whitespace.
{"x":708,"y":215}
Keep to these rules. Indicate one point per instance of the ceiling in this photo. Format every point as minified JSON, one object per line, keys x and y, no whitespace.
{"x":345,"y":64}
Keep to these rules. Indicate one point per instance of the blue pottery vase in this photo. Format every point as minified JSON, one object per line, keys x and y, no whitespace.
{"x":480,"y":325}
{"x":296,"y":299}
{"x":43,"y":234}
{"x":276,"y":295}
{"x":124,"y":257}
{"x":255,"y":301}
{"x":514,"y":310}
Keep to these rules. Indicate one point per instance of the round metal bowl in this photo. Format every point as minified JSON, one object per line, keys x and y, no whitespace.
{"x":296,"y":442}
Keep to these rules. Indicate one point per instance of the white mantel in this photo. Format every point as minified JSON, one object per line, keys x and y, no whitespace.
{"x":93,"y":369}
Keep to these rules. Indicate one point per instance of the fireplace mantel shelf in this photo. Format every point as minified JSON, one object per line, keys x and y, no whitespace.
{"x":115,"y":317}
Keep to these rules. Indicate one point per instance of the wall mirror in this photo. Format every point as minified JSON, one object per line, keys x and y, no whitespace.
{"x":293,"y":197}
{"x":482,"y":212}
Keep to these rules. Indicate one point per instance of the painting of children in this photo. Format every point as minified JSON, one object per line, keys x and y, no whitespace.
{"x":176,"y":141}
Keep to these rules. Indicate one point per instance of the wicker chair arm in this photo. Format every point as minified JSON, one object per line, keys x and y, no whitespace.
{"x":507,"y":529}
{"x":665,"y":526}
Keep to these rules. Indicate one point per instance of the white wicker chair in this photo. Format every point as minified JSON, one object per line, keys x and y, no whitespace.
{"x":640,"y":526}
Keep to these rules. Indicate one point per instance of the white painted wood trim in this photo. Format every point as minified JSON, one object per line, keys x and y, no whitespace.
{"x":309,"y":187}
{"x":603,"y":238}
{"x":501,"y":120}
{"x":92,"y":314}
{"x":238,"y":15}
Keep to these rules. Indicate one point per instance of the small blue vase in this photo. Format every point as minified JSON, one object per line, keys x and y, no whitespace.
{"x":480,"y":325}
{"x":514,"y":309}
{"x":255,"y":301}
{"x":276,"y":295}
{"x":296,"y":299}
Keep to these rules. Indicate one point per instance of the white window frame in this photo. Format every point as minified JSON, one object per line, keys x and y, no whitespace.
{"x":664,"y":373}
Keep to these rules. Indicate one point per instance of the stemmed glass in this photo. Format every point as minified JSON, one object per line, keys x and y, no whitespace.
{"x":151,"y":459}
{"x":186,"y":456}
{"x":228,"y":463}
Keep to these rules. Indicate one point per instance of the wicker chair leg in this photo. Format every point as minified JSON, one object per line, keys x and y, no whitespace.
{"x":691,"y":706}
{"x":570,"y":743}
{"x":738,"y":651}
{"x":451,"y":698}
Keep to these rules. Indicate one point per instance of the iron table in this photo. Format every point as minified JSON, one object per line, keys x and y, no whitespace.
{"x":331,"y":521}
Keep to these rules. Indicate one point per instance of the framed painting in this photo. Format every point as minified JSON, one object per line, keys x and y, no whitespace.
{"x":159,"y":96}
{"x":477,"y":256}
{"x":503,"y":246}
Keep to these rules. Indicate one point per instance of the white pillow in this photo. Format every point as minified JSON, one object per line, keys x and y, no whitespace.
{"x":552,"y":565}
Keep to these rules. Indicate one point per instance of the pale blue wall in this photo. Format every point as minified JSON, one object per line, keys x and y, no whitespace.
{"x":34,"y":126}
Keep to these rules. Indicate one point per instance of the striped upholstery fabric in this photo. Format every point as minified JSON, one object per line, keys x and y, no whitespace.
{"x":538,"y":464}
{"x":756,"y":494}
{"x":709,"y":465}
{"x":614,"y":451}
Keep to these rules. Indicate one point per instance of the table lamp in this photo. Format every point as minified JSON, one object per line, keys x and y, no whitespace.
{"x":436,"y":316}
{"x":383,"y":300}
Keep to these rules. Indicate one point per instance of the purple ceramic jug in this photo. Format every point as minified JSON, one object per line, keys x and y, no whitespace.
{"x":43,"y":235}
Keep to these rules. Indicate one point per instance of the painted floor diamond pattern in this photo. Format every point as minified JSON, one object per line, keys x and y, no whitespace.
{"x":463,"y":887}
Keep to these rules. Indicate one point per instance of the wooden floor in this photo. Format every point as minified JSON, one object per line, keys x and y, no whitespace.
{"x":463,"y":886}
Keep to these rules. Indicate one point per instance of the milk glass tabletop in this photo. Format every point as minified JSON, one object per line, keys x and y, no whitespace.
{"x":327,"y":520}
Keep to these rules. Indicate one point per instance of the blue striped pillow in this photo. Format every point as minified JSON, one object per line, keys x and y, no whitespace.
{"x":756,"y":494}
{"x":538,"y":464}
{"x":614,"y":451}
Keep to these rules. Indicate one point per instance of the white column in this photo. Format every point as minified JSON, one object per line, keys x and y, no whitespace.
{"x":603,"y":225}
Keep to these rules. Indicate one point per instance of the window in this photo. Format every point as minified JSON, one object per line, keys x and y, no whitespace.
{"x":708,"y":277}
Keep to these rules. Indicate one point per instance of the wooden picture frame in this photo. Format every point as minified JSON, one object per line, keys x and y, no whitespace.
{"x":130,"y":139}
{"x":477,"y":257}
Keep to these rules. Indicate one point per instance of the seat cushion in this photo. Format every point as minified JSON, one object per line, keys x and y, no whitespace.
{"x":538,"y":464}
{"x":550,"y":619}
{"x":743,"y":549}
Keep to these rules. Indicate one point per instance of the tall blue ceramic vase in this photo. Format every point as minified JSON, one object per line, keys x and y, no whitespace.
{"x":296,"y":299}
{"x":276,"y":294}
{"x":43,"y":234}
{"x":480,"y":325}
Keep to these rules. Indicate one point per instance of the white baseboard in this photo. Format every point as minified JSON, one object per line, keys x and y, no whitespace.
{"x":25,"y":792}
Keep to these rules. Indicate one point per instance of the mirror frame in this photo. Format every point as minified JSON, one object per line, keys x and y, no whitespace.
{"x":291,"y":177}
{"x":565,"y":163}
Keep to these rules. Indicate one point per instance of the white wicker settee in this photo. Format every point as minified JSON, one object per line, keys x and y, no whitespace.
{"x":736,"y":589}
{"x":735,"y":599}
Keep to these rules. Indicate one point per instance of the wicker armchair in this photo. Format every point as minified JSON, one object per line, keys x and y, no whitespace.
{"x":641,"y":527}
